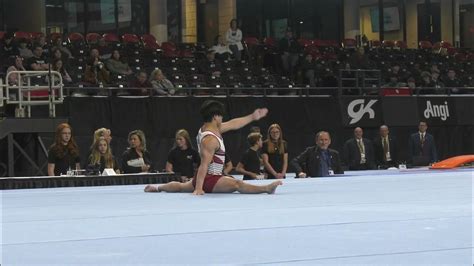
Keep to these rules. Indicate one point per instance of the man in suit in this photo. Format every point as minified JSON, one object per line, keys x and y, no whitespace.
{"x":385,"y":149}
{"x":319,"y":160}
{"x":359,"y":152}
{"x":422,"y":146}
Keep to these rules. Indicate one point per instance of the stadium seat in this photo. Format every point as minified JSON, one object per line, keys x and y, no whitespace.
{"x":401,"y":45}
{"x":93,"y":38}
{"x":425,"y":45}
{"x":112,"y":40}
{"x":22,"y":35}
{"x":388,"y":44}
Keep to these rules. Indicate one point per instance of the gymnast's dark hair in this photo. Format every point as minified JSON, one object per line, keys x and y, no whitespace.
{"x":210,"y":108}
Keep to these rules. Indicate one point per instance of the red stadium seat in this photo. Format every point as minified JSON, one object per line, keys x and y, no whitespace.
{"x":269,"y":42}
{"x":304,"y":42}
{"x":111,"y":38}
{"x":22,"y":35}
{"x":2,"y":33}
{"x":75,"y":37}
{"x":445,"y":44}
{"x":54,"y":36}
{"x":401,"y":44}
{"x":425,"y":45}
{"x":149,"y":42}
{"x":36,"y":35}
{"x":375,"y":44}
{"x":403,"y":91}
{"x":251,"y":41}
{"x":129,"y":38}
{"x":349,"y":43}
{"x":388,"y":44}
{"x":93,"y":38}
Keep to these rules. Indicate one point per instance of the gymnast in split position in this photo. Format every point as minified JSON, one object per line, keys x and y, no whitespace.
{"x":209,"y":177}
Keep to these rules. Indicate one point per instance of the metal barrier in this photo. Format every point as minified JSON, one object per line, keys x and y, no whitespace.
{"x":362,"y":79}
{"x":27,"y":94}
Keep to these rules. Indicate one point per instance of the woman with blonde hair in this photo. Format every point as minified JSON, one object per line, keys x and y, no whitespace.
{"x":183,"y":158}
{"x":63,"y":155}
{"x":103,"y":132}
{"x":275,"y":153}
{"x":160,"y":84}
{"x":101,"y":156}
{"x":136,"y":158}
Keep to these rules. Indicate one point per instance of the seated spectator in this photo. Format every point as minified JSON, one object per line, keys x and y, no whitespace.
{"x":116,"y":66}
{"x":427,"y":86}
{"x":16,"y":65}
{"x":319,"y":160}
{"x":101,"y":156}
{"x":7,"y":46}
{"x":250,"y":163}
{"x":411,"y":83}
{"x":63,"y":155}
{"x":290,"y":50}
{"x":359,"y":59}
{"x":210,"y":66}
{"x":38,"y":61}
{"x":393,"y":82}
{"x":140,"y":85}
{"x":308,"y":68}
{"x":23,"y":49}
{"x":160,"y":84}
{"x":95,"y":72}
{"x":452,"y":82}
{"x":136,"y":158}
{"x":221,"y":49}
{"x":58,"y":45}
{"x":41,"y":42}
{"x":58,"y":66}
{"x":104,"y":50}
{"x":437,"y":83}
{"x":183,"y":158}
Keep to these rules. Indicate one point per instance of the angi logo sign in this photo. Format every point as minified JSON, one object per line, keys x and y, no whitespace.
{"x":436,"y":111}
{"x":362,"y":109}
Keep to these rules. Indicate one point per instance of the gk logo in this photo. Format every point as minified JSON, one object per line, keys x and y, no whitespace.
{"x":357,"y":115}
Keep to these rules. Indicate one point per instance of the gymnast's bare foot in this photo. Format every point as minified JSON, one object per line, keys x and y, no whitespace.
{"x":152,"y":188}
{"x":273,"y":186}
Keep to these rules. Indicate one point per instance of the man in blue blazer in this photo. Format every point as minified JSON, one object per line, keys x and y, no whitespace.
{"x":422,"y":147}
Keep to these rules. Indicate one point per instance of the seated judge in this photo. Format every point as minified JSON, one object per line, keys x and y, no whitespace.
{"x":319,"y":160}
{"x":385,"y":149}
{"x":358,"y":152}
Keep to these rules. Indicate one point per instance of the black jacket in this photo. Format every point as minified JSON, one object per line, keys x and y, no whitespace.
{"x":131,"y":154}
{"x":352,"y":154}
{"x":393,"y":149}
{"x":309,"y":162}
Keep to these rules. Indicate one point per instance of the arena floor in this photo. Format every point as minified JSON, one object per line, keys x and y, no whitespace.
{"x":416,"y":217}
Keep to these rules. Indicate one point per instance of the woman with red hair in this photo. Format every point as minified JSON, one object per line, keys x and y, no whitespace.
{"x":64,"y":153}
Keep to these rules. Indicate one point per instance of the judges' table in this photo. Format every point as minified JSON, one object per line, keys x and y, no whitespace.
{"x":80,"y":181}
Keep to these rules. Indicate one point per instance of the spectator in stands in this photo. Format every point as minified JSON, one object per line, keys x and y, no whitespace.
{"x":452,"y":82}
{"x":439,"y":86}
{"x":136,"y":158}
{"x":210,"y":66}
{"x":290,"y":50}
{"x":221,"y":49}
{"x":183,"y":158}
{"x":411,"y":83}
{"x":38,"y":61}
{"x":58,"y":45}
{"x":422,"y":147}
{"x":434,"y":68}
{"x":63,"y":155}
{"x":16,"y":65}
{"x":7,"y":46}
{"x":103,"y":132}
{"x":116,"y":66}
{"x":160,"y":84}
{"x":250,"y":163}
{"x":275,"y":153}
{"x":140,"y":86}
{"x":359,"y":152}
{"x":95,"y":72}
{"x":308,"y":68}
{"x":359,"y":59}
{"x":427,"y":85}
{"x":58,"y":66}
{"x":393,"y":82}
{"x":234,"y":39}
{"x":23,"y":49}
{"x":101,"y":156}
{"x":104,"y":50}
{"x":41,"y":42}
{"x":385,"y":149}
{"x":319,"y":160}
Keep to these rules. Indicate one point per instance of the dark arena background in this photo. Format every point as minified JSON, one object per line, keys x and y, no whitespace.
{"x":341,"y":66}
